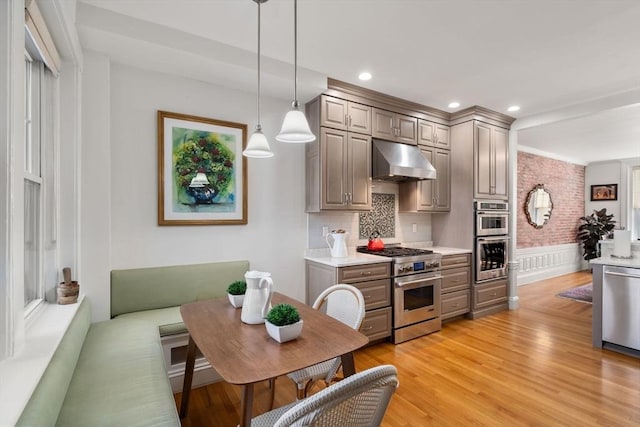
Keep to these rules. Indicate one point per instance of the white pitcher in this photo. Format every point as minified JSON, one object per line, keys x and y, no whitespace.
{"x":257,"y":298}
{"x":339,"y":246}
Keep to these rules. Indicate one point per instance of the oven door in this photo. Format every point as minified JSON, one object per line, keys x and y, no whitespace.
{"x":491,"y":257}
{"x":416,"y":298}
{"x":492,"y":223}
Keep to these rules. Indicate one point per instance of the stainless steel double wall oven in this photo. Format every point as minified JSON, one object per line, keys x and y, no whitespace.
{"x":491,"y":239}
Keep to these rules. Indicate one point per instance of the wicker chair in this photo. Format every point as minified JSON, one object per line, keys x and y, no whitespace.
{"x":342,"y":302}
{"x":359,"y":400}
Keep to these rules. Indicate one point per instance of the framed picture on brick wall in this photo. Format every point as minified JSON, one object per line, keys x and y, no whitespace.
{"x":604,"y":192}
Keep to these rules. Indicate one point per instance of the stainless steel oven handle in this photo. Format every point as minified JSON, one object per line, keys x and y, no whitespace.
{"x":413,"y":282}
{"x":493,"y":239}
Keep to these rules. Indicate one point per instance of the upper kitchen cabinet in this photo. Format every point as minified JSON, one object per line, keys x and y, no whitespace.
{"x":340,"y":114}
{"x":338,"y":166}
{"x":433,"y":134}
{"x":394,"y":127}
{"x":490,"y":156}
{"x":430,"y":195}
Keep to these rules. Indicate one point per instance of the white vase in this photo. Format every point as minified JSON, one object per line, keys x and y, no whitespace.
{"x":236,"y":300}
{"x":284,"y":333}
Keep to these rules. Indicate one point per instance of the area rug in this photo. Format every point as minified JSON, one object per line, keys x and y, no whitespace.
{"x":582,"y":293}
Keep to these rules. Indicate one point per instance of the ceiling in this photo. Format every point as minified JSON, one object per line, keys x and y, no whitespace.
{"x":572,"y":66}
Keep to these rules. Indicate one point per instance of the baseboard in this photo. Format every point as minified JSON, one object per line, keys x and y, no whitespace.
{"x":544,"y":262}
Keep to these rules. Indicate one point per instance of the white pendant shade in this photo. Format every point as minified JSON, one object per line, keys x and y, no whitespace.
{"x":295,"y":128}
{"x":258,"y":146}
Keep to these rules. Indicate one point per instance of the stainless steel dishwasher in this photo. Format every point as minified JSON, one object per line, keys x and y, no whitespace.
{"x":621,"y":306}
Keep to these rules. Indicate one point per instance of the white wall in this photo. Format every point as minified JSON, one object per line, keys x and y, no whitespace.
{"x":122,"y":216}
{"x":606,"y":173}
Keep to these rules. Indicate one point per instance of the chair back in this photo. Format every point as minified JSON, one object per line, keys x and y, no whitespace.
{"x":359,"y":400}
{"x":344,"y":303}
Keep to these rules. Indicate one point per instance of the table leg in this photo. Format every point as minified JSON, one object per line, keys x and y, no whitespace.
{"x":188,"y":377}
{"x":246,"y":405}
{"x":348,"y":365}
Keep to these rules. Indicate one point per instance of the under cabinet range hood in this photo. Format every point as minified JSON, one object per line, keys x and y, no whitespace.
{"x":392,"y":161}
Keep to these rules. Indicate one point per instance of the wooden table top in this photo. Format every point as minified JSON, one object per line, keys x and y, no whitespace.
{"x":244,"y":354}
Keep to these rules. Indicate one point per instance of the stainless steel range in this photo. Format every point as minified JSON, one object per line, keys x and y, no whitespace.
{"x":416,"y":285}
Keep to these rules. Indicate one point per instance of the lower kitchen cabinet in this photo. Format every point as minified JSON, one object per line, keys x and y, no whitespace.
{"x":373,"y":280}
{"x":456,"y":286}
{"x":489,"y":298}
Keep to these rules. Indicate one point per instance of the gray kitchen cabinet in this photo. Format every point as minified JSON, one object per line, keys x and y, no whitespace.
{"x":394,"y":127}
{"x":341,"y":114}
{"x":489,"y":298}
{"x":490,"y":161}
{"x":338,"y":166}
{"x":373,"y":280}
{"x":432,"y":195}
{"x":456,"y":285}
{"x":434,"y":135}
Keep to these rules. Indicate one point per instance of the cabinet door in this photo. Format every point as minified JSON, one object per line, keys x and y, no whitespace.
{"x":483,"y":163}
{"x":426,"y":133}
{"x":426,"y":188}
{"x":333,"y":112}
{"x":383,"y":124}
{"x":359,"y":118}
{"x":499,"y":140}
{"x":442,"y":184}
{"x":443,"y":136}
{"x":359,"y":171}
{"x":407,"y":132}
{"x":333,"y":159}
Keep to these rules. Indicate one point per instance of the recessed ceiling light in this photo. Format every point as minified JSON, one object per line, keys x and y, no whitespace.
{"x":513,"y":108}
{"x":365,"y":76}
{"x":454,"y":104}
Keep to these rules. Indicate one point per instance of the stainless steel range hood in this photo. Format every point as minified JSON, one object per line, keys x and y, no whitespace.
{"x":399,"y":162}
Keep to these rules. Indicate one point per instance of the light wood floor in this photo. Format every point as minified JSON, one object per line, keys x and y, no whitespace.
{"x":534,"y":366}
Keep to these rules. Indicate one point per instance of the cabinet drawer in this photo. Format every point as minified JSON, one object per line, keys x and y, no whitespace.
{"x":377,"y":324}
{"x":487,"y":294}
{"x":358,"y":273}
{"x":456,"y":279}
{"x":455,"y":303}
{"x":453,"y":261}
{"x":376,"y":293}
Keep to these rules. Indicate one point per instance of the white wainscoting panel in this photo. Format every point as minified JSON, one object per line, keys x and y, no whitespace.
{"x":544,"y":262}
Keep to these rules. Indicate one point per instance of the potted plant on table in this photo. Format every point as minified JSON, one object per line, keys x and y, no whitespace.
{"x":594,"y":228}
{"x":236,"y":292}
{"x":283,"y":323}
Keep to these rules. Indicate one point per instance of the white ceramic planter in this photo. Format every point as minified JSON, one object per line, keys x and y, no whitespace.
{"x":236,"y":300}
{"x":284,"y":333}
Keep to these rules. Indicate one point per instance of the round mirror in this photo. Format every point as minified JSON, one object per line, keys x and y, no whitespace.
{"x":538,"y":206}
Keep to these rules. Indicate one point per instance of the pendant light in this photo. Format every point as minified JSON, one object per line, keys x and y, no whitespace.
{"x":258,"y":146}
{"x":295,"y":128}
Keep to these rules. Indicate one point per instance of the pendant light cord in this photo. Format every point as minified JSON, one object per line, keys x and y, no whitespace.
{"x":258,"y":126}
{"x":295,"y":52}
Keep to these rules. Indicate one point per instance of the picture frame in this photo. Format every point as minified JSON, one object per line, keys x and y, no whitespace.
{"x":202,"y":174}
{"x":604,"y":192}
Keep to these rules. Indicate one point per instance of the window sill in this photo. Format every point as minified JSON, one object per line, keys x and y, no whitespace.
{"x":20,"y":374}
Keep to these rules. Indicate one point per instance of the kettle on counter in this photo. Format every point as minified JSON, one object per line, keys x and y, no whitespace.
{"x":375,"y":242}
{"x":257,"y":298}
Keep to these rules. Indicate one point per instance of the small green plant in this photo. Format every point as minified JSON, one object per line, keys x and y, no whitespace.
{"x":237,"y":288}
{"x":283,"y":314}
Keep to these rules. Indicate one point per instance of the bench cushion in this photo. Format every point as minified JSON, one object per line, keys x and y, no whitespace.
{"x":120,"y":379}
{"x":168,"y":320}
{"x":151,"y":288}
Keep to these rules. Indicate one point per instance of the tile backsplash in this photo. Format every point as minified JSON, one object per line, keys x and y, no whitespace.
{"x":382,"y":217}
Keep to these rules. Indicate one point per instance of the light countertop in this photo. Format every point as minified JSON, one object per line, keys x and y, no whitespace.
{"x":323,"y":256}
{"x":633,"y":262}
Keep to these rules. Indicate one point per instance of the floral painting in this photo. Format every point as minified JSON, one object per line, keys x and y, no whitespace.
{"x":202,"y":174}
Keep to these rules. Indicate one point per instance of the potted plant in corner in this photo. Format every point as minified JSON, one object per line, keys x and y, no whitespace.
{"x":283,"y":323}
{"x":594,"y":228}
{"x":236,"y":292}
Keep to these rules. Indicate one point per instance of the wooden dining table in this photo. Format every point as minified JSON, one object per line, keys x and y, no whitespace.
{"x":245,"y":354}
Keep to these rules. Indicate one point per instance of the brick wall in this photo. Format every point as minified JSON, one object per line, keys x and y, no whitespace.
{"x":565,"y":182}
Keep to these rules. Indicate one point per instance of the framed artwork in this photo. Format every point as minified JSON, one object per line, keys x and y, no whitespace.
{"x":202,"y":175}
{"x":604,"y":192}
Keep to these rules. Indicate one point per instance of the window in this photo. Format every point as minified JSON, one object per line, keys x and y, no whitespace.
{"x":635,"y":203}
